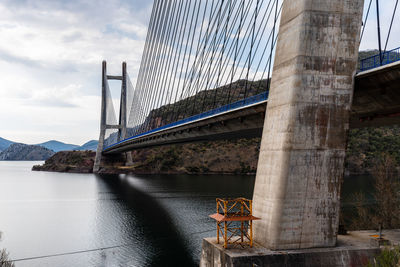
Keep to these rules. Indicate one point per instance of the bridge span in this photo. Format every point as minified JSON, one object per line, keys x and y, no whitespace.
{"x":376,"y":102}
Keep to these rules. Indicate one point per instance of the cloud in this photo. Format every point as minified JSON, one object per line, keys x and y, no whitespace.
{"x":12,"y":58}
{"x":50,"y":60}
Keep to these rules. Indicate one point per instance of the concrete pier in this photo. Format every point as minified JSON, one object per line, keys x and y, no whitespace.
{"x":301,"y":163}
{"x":354,"y":249}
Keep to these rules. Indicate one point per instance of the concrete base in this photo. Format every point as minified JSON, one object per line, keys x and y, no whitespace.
{"x":354,"y":249}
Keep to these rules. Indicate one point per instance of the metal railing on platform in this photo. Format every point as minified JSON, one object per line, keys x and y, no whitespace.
{"x":238,"y":104}
{"x":378,"y":61}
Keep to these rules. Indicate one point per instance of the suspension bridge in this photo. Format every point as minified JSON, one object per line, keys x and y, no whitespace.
{"x":287,"y":71}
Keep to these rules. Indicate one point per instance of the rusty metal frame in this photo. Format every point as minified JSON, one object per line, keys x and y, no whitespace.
{"x":231,"y":212}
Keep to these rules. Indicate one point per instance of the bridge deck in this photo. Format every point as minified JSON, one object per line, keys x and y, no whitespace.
{"x":376,"y":102}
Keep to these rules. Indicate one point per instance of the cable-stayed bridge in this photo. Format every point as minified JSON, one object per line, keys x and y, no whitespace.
{"x":283,"y":70}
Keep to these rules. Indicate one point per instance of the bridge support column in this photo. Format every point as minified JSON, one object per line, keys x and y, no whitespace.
{"x":123,"y":115}
{"x":301,"y":162}
{"x":103,"y":116}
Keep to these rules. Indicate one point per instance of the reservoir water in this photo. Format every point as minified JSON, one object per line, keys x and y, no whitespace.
{"x":72,"y":220}
{"x":63,"y":219}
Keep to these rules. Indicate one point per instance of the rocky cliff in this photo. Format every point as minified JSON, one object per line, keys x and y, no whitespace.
{"x":68,"y":161}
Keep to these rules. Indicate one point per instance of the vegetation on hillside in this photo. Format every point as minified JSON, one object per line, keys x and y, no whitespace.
{"x":365,"y":145}
{"x":389,"y":257}
{"x":203,"y":101}
{"x":223,"y":156}
{"x":68,"y":161}
{"x":380,"y":209}
{"x":4,"y":257}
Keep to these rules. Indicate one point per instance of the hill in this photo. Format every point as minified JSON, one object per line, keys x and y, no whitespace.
{"x":4,"y":143}
{"x":91,"y":145}
{"x":58,"y":146}
{"x":26,"y":152}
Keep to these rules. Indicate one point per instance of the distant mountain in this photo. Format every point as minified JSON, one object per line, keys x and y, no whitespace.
{"x":26,"y":152}
{"x":58,"y":146}
{"x":91,"y":145}
{"x":4,"y":143}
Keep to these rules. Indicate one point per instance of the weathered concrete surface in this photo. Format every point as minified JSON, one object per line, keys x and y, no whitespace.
{"x":97,"y":161}
{"x":300,"y":167}
{"x":354,"y":249}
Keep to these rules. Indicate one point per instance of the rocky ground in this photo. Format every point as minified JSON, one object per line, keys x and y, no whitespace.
{"x":204,"y":157}
{"x":225,"y":157}
{"x":69,"y":161}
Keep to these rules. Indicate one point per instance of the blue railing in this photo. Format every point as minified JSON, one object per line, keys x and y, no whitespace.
{"x":375,"y":62}
{"x":238,"y":104}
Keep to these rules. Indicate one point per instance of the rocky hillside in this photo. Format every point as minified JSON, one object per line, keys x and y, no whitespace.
{"x":4,"y":144}
{"x":218,"y":157}
{"x":68,"y":161}
{"x":205,"y":100}
{"x":26,"y":152}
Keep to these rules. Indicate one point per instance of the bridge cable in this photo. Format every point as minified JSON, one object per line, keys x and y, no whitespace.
{"x":93,"y":250}
{"x":174,"y":54}
{"x":379,"y":31}
{"x":155,"y":91}
{"x":273,"y":42}
{"x":181,"y":101}
{"x":236,"y":50}
{"x":204,"y":80}
{"x":251,"y":51}
{"x":245,"y":41}
{"x":142,"y":78}
{"x":150,"y":102}
{"x":187,"y":65}
{"x":192,"y":73}
{"x":137,"y":89}
{"x":391,"y":24}
{"x":179,"y":54}
{"x":167,"y":68}
{"x":220,"y":55}
{"x":148,"y":63}
{"x":211,"y":50}
{"x":155,"y":84}
{"x":158,"y":87}
{"x":201,"y":59}
{"x":365,"y":20}
{"x":273,"y":35}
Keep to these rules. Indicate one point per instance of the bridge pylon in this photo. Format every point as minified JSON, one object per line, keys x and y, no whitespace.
{"x":122,"y":124}
{"x":301,"y":162}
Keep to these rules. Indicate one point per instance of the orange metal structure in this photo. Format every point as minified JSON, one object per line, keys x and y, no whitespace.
{"x":235,"y":221}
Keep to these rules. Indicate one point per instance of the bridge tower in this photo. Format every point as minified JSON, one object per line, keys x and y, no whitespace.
{"x":122,"y":124}
{"x":301,"y":162}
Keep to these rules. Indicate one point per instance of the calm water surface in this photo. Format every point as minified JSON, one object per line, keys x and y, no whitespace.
{"x":62,"y":219}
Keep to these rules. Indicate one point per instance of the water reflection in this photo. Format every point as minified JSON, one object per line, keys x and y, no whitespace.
{"x":83,"y":220}
{"x":151,"y":230}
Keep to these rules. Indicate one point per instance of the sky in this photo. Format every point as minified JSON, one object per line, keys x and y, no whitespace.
{"x":50,"y":62}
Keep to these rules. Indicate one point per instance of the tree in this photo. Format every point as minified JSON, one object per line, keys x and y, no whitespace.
{"x":4,"y":260}
{"x":387,"y":192}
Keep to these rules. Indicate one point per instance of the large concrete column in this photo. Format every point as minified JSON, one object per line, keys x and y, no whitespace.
{"x":301,"y":162}
{"x":103,"y":116}
{"x":123,"y":113}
